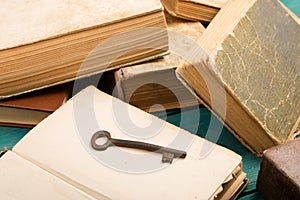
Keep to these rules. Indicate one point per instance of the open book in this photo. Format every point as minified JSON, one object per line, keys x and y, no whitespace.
{"x":58,"y":149}
{"x":22,"y":179}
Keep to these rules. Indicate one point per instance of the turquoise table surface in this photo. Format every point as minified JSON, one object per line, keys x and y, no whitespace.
{"x":293,"y":5}
{"x":10,"y":136}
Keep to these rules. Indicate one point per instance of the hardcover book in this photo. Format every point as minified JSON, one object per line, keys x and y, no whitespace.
{"x":61,"y":147}
{"x":45,"y":43}
{"x":279,"y":172}
{"x":27,"y":110}
{"x":253,"y":48}
{"x":154,"y":83}
{"x":203,"y":10}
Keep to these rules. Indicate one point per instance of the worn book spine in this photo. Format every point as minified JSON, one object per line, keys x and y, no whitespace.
{"x":279,"y":172}
{"x":254,"y":52}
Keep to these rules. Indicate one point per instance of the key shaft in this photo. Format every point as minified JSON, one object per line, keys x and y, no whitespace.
{"x":148,"y":147}
{"x":132,"y":144}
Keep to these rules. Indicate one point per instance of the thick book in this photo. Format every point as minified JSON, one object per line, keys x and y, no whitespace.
{"x":61,"y":147}
{"x":27,"y":110}
{"x":203,"y":10}
{"x":44,"y":43}
{"x":253,"y":57}
{"x":153,"y":85}
{"x":279,"y":172}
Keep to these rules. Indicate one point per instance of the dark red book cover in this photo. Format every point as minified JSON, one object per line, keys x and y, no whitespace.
{"x":46,"y":100}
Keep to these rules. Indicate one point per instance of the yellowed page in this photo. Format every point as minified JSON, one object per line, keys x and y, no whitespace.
{"x":61,"y":144}
{"x":213,"y":3}
{"x":22,"y":180}
{"x":25,"y":22}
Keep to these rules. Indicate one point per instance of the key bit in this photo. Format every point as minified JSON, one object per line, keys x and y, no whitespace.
{"x":167,"y":158}
{"x":3,"y":151}
{"x":168,"y":153}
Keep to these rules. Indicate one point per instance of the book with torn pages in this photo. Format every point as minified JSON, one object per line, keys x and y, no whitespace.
{"x":253,"y":55}
{"x":154,"y":83}
{"x":61,"y":147}
{"x":27,"y":110}
{"x":203,"y":10}
{"x":44,"y":43}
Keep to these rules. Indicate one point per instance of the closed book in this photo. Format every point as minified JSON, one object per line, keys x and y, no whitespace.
{"x":45,"y":43}
{"x":61,"y":145}
{"x":196,"y":10}
{"x":153,"y":85}
{"x":27,"y":110}
{"x":279,"y":175}
{"x":252,"y":70}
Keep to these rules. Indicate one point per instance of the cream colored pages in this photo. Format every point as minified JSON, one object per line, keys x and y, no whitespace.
{"x":22,"y":180}
{"x":214,"y":3}
{"x":180,"y":30}
{"x":25,"y":22}
{"x":61,"y":143}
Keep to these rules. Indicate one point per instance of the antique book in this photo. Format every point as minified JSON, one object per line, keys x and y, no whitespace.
{"x":279,"y":172}
{"x":21,"y":179}
{"x":203,"y":10}
{"x":44,"y":43}
{"x":27,"y":110}
{"x":253,"y":56}
{"x":61,"y":146}
{"x":153,"y":85}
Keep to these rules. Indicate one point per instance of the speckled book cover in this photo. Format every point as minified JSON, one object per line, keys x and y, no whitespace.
{"x":253,"y":48}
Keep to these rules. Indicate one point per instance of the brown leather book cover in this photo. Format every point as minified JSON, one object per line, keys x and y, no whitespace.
{"x":28,"y":109}
{"x":279,"y":176}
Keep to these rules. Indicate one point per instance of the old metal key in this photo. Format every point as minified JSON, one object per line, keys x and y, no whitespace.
{"x":168,"y":153}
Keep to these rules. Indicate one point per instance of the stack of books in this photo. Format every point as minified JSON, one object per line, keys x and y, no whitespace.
{"x":29,"y":109}
{"x":153,"y":56}
{"x":53,"y":42}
